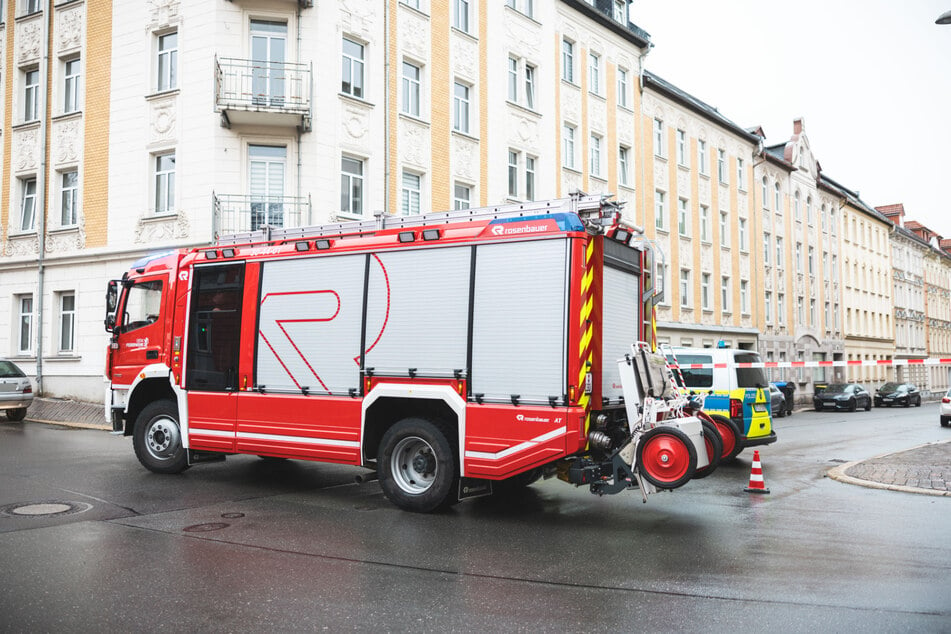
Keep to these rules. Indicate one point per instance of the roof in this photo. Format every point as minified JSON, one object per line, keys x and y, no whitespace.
{"x":703,"y":109}
{"x":602,"y":15}
{"x":852,"y":197}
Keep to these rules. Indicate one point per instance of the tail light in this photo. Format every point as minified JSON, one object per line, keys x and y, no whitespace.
{"x":946,"y":399}
{"x":736,"y":408}
{"x":28,"y":389}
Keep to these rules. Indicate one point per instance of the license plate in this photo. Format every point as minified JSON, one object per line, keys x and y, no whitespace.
{"x":887,"y":400}
{"x":759,"y":407}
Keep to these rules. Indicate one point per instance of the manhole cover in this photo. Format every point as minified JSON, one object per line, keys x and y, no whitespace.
{"x":43,"y":509}
{"x":204,"y":528}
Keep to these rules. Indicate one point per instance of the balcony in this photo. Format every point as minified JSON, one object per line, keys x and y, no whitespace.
{"x":248,"y":92}
{"x":242,"y":213}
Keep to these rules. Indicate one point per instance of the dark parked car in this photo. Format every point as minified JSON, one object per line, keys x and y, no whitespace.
{"x":16,"y":390}
{"x":905,"y":394}
{"x":848,"y":396}
{"x":777,"y":402}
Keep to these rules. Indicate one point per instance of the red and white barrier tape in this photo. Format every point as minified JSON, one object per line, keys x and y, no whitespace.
{"x":815,"y":364}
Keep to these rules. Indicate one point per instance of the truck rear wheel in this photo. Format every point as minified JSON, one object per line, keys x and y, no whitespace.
{"x":714,"y":445}
{"x":666,"y":457}
{"x":416,"y":466}
{"x":157,"y":438}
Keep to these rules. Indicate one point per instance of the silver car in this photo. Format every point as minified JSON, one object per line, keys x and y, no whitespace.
{"x":946,"y":410}
{"x":16,"y":390}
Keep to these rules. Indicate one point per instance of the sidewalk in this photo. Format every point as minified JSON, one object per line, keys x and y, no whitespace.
{"x":67,"y":412}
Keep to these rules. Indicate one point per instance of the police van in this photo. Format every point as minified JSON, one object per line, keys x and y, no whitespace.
{"x":736,"y":398}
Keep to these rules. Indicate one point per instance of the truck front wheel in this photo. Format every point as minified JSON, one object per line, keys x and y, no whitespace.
{"x":157,"y":438}
{"x":416,"y":466}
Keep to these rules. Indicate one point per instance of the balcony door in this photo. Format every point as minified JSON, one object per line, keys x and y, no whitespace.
{"x":268,"y":49}
{"x":267,"y":168}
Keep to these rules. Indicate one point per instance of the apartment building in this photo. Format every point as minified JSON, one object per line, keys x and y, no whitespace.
{"x":696,"y":189}
{"x":937,"y":269}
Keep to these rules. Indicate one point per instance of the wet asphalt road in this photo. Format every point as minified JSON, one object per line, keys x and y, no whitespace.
{"x":254,"y":545}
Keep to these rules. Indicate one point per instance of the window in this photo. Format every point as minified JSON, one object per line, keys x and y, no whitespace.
{"x":25,"y":324}
{"x":800,"y":314}
{"x":725,"y":293}
{"x":721,"y":165}
{"x":724,"y":229}
{"x":67,"y":321}
{"x":594,"y":155}
{"x":780,"y":307}
{"x":780,"y":255}
{"x":765,"y":193}
{"x":778,"y":200}
{"x":410,"y":194}
{"x":623,"y":154}
{"x":622,"y":87}
{"x":411,"y":3}
{"x":662,"y":283}
{"x":812,"y":263}
{"x":744,"y":297}
{"x":809,"y":215}
{"x":32,"y":6}
{"x":768,"y":307}
{"x":513,"y":174}
{"x":460,"y":108}
{"x":31,"y":95}
{"x":27,"y":204}
{"x":513,"y":79}
{"x":167,"y":63}
{"x":705,"y":291}
{"x":267,"y":165}
{"x":569,"y":146}
{"x":683,"y":227}
{"x":660,"y":211}
{"x":767,"y":249}
{"x":351,"y":186}
{"x":812,"y":312}
{"x":594,"y":73}
{"x":659,"y":138}
{"x":164,"y":183}
{"x":685,"y":288}
{"x":530,"y":86}
{"x":461,"y":196}
{"x":410,"y":103}
{"x":681,"y":147}
{"x":568,"y":60}
{"x":740,"y":174}
{"x":528,"y":6}
{"x":702,"y":157}
{"x":705,"y":223}
{"x":68,"y":198}
{"x":71,"y":70}
{"x":620,"y":11}
{"x":744,"y":245}
{"x":529,"y":178}
{"x":352,"y":72}
{"x":797,"y":209}
{"x":460,"y":15}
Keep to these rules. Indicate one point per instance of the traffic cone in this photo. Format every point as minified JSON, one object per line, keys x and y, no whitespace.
{"x":757,"y":484}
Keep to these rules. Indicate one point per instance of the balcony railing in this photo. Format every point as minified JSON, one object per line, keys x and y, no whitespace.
{"x":263,"y":93}
{"x":240,"y":213}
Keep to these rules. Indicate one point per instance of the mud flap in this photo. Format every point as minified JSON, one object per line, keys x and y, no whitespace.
{"x":474,"y":488}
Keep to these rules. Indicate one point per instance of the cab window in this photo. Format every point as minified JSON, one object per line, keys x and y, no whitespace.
{"x":749,"y":377}
{"x":696,"y":378}
{"x":143,"y":305}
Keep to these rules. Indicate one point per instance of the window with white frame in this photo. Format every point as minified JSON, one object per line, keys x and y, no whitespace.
{"x":812,"y":312}
{"x":780,"y":307}
{"x":681,"y":147}
{"x":67,"y":321}
{"x":460,"y":107}
{"x":659,"y":145}
{"x":765,"y":193}
{"x":768,"y":307}
{"x":705,"y":291}
{"x":724,"y":229}
{"x":702,"y":166}
{"x":594,"y":73}
{"x":24,"y":324}
{"x":411,"y":89}
{"x":27,"y":203}
{"x":623,"y":167}
{"x":460,"y":15}
{"x":725,"y":293}
{"x":744,"y":242}
{"x":683,"y":223}
{"x":809,"y":215}
{"x":685,"y":288}
{"x":620,"y":11}
{"x":568,"y":148}
{"x":622,"y":87}
{"x":32,"y":6}
{"x":721,"y":166}
{"x":530,"y":78}
{"x":526,"y":7}
{"x":513,"y":173}
{"x":594,"y":155}
{"x":167,"y":62}
{"x":351,"y":185}
{"x":353,"y":69}
{"x":512,"y":79}
{"x":462,"y":196}
{"x":31,"y":94}
{"x":411,"y":3}
{"x":744,"y":297}
{"x":812,"y":261}
{"x":660,"y":210}
{"x":69,"y":198}
{"x":164,"y":182}
{"x":705,"y":227}
{"x":797,"y":206}
{"x":529,"y":178}
{"x":780,"y":252}
{"x":800,"y":310}
{"x":740,"y":174}
{"x":799,"y":257}
{"x":777,"y":198}
{"x":71,"y":79}
{"x":410,"y":194}
{"x":767,"y":249}
{"x":568,"y":60}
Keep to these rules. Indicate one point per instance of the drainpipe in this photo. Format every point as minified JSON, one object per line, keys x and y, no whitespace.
{"x":386,"y":106}
{"x":41,"y":197}
{"x":300,"y":169}
{"x":640,"y":115}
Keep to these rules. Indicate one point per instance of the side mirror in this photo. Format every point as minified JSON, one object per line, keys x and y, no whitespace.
{"x":112,"y":301}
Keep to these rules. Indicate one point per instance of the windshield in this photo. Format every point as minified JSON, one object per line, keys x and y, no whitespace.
{"x":749,"y":377}
{"x":835,"y":387}
{"x":890,"y":387}
{"x":142,"y":305}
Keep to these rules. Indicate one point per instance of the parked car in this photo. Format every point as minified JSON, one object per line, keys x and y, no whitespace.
{"x":848,"y":396}
{"x":777,"y":402}
{"x":16,"y":390}
{"x":945,"y":410}
{"x":905,"y":394}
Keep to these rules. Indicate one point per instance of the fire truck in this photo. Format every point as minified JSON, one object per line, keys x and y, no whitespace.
{"x":450,"y":353}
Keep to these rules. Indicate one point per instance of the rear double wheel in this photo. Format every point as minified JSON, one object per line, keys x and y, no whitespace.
{"x":666,"y":457}
{"x":416,"y":465}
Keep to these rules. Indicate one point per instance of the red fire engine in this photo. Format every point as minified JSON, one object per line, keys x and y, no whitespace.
{"x":448,"y":352}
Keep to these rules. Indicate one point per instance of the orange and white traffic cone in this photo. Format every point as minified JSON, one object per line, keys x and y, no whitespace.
{"x":757,"y":484}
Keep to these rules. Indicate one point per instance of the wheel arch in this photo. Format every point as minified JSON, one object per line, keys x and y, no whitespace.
{"x":154,"y":387}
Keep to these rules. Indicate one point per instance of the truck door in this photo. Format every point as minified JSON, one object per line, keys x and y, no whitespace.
{"x":140,"y":333}
{"x":211,"y":363}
